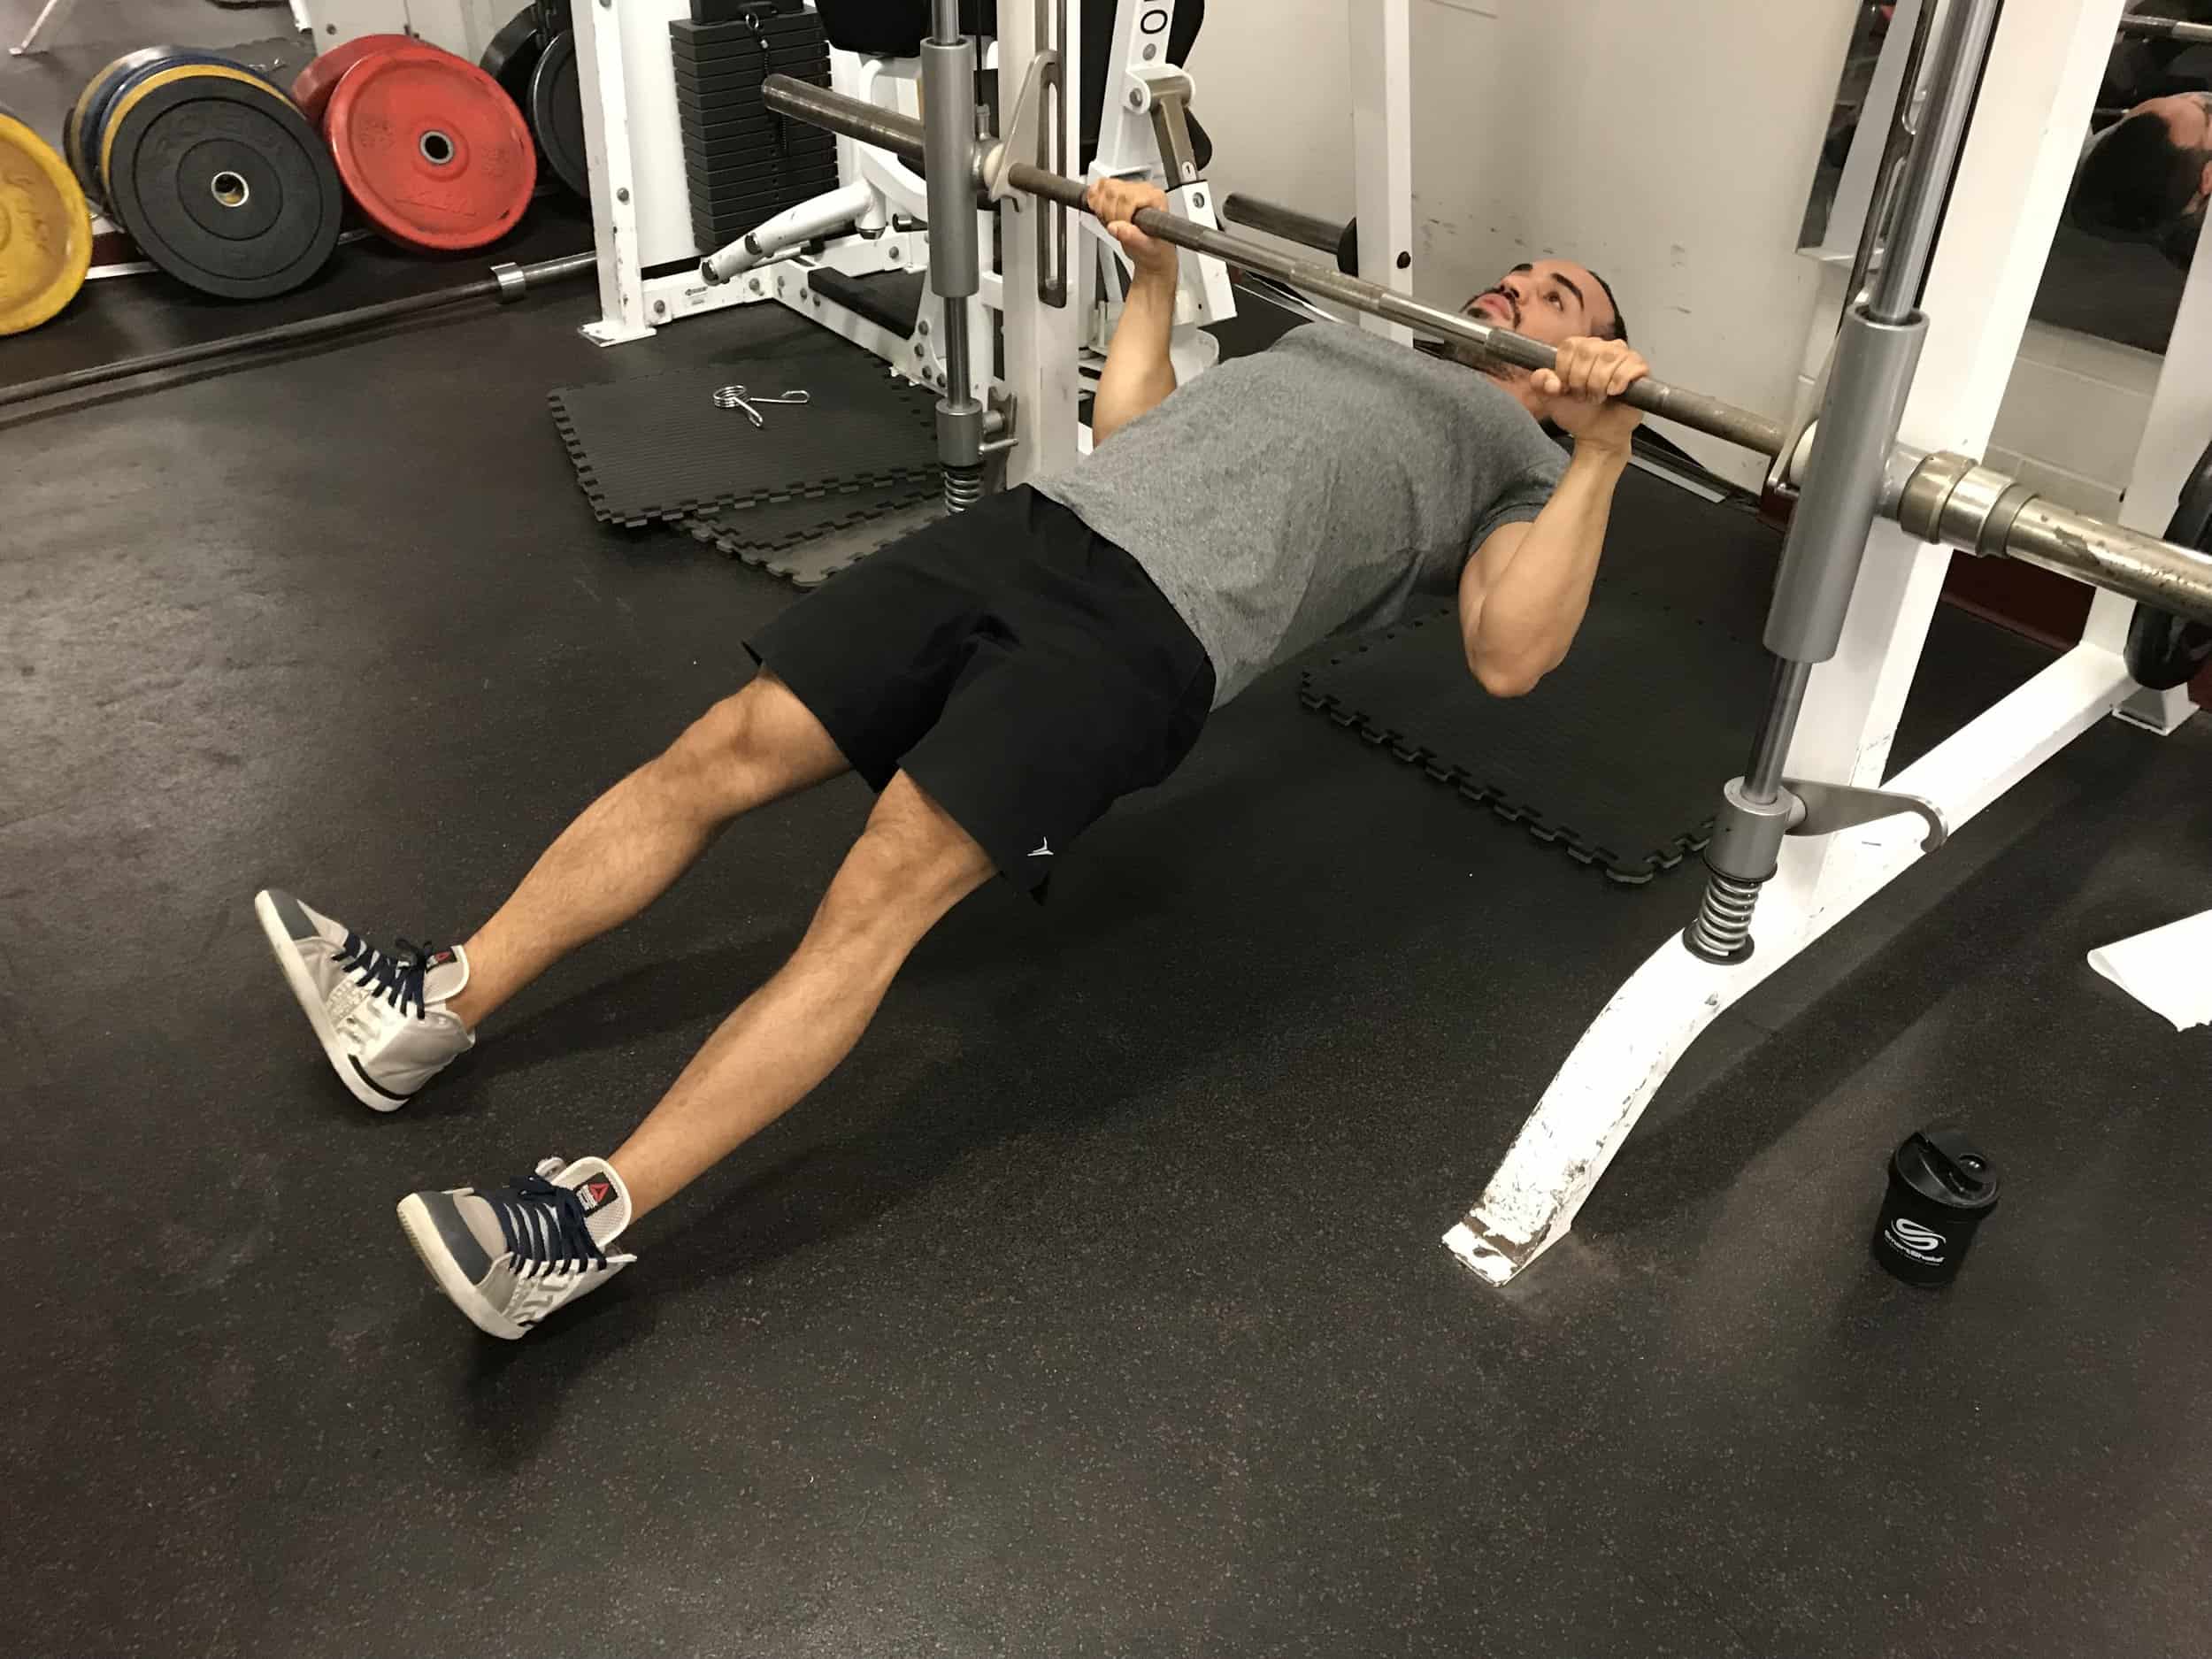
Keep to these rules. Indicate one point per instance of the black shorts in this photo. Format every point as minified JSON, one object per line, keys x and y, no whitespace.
{"x":1022,"y":670}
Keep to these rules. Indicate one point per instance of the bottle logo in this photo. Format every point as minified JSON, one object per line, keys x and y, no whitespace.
{"x":1922,"y":1244}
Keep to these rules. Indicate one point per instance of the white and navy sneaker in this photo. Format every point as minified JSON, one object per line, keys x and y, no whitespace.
{"x":382,"y":1016}
{"x":510,"y":1257}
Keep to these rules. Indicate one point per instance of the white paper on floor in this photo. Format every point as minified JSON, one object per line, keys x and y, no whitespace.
{"x":2167,"y":970}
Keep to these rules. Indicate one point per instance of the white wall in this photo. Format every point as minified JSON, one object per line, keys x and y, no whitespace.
{"x":2074,"y":416}
{"x":1274,"y":89}
{"x":1668,"y":143}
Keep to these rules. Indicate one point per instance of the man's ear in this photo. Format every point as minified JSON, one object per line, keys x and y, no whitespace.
{"x":2204,"y":188}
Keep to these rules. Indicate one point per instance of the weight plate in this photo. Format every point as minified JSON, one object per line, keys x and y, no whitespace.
{"x":312,"y":91}
{"x":102,"y":128}
{"x":513,"y":53}
{"x":698,"y":110}
{"x":731,"y":59}
{"x":100,"y":131}
{"x":45,"y":229}
{"x":772,"y":139}
{"x":2163,"y":650}
{"x":789,"y":26}
{"x":722,"y":79}
{"x":100,"y":120}
{"x":80,"y":127}
{"x":556,"y":113}
{"x":718,"y":14}
{"x":702,"y":172}
{"x":787,"y":144}
{"x":751,"y":53}
{"x":746,"y":45}
{"x":772,"y":133}
{"x":433,"y":152}
{"x":715,"y":183}
{"x":763,"y":124}
{"x":221,"y":182}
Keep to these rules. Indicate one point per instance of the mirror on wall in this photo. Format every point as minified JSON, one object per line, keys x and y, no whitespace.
{"x":2136,"y":206}
{"x":1870,"y":33}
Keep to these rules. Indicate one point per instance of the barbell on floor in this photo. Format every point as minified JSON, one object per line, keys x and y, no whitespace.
{"x":504,"y":282}
{"x":1945,"y":498}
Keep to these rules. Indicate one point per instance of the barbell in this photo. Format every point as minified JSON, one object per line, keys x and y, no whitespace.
{"x":902,"y":135}
{"x":1945,"y":498}
{"x":2172,"y":29}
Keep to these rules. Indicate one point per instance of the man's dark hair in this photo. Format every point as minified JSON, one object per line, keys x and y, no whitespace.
{"x":2135,"y":179}
{"x":1620,"y":323}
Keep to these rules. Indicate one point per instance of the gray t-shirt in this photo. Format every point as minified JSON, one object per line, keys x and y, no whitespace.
{"x":1313,"y":488}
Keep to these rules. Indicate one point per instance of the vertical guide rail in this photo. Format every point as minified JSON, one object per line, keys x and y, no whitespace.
{"x":1042,"y":372}
{"x":1905,"y":125}
{"x":1052,"y":153}
{"x":1876,"y":351}
{"x":956,"y":274}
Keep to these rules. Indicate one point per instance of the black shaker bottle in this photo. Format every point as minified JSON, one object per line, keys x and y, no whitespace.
{"x":1941,"y":1186}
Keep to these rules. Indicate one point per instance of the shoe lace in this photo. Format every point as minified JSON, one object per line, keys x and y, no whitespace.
{"x":396,"y":976}
{"x":545,"y":1226}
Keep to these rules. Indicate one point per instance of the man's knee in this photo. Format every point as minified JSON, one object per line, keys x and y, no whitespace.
{"x":911,"y":865}
{"x":753,"y":744}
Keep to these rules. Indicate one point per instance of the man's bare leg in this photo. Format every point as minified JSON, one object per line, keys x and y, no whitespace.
{"x":632,"y":844}
{"x":912,"y":865}
{"x":389,"y":1022}
{"x":511,"y":1255}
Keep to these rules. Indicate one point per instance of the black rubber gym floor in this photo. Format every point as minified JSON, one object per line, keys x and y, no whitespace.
{"x":1096,"y":1306}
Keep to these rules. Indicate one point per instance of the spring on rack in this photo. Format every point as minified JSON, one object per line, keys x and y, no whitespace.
{"x":1723,"y":920}
{"x":963,"y":487}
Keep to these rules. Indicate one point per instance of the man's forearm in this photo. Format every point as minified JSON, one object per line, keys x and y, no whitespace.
{"x":1139,"y":372}
{"x":1532,"y":607}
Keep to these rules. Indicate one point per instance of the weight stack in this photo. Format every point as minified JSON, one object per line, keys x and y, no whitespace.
{"x":745,"y":164}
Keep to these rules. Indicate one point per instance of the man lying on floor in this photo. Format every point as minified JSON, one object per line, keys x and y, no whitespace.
{"x":1000,"y":678}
